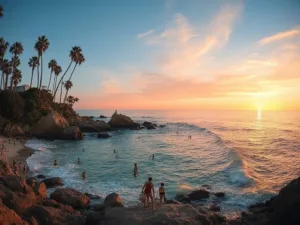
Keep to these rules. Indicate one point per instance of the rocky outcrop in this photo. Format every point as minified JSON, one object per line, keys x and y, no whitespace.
{"x":162,"y":126}
{"x":52,"y":182}
{"x":72,"y":133}
{"x":283,"y":208}
{"x":219,"y":194}
{"x":51,"y":212}
{"x":167,"y":214}
{"x":17,"y":195}
{"x":122,"y":121}
{"x":13,"y":130}
{"x":113,"y":200}
{"x":148,"y":125}
{"x":69,"y":196}
{"x":5,"y":169}
{"x":103,"y":117}
{"x":8,"y":217}
{"x":182,"y":198}
{"x":41,"y":176}
{"x":103,"y":135}
{"x":198,"y":195}
{"x":88,"y":125}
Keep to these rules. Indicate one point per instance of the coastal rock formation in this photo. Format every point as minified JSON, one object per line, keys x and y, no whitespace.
{"x":5,"y":169}
{"x":122,"y":121}
{"x":198,"y":195}
{"x":52,"y":213}
{"x":103,"y":117}
{"x":88,"y":125}
{"x":103,"y":135}
{"x":72,"y":133}
{"x":17,"y":195}
{"x":41,"y":176}
{"x":219,"y":194}
{"x":167,"y":214}
{"x":52,"y":182}
{"x":13,"y":130}
{"x":148,"y":125}
{"x":50,"y":126}
{"x":182,"y":198}
{"x":69,"y":196}
{"x":283,"y":208}
{"x":162,"y":126}
{"x":8,"y":216}
{"x":113,"y":200}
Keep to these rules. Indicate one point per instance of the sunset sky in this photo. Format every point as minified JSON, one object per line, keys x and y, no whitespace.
{"x":167,"y":54}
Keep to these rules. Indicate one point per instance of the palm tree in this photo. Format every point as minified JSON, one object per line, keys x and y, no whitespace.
{"x":57,"y":71}
{"x":16,"y":78}
{"x":74,"y":53}
{"x":68,"y":85}
{"x":33,"y":63}
{"x":16,"y":49}
{"x":1,"y":11}
{"x":51,"y":65}
{"x":3,"y":47}
{"x":6,"y":70}
{"x":14,"y":63}
{"x":61,"y":88}
{"x":78,"y":59}
{"x":41,"y":46}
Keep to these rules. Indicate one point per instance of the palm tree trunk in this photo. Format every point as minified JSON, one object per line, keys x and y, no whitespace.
{"x":38,"y":77}
{"x":5,"y":84}
{"x":31,"y":76}
{"x":72,"y":72}
{"x":54,"y":84}
{"x":50,"y":79}
{"x":61,"y":80}
{"x":41,"y":80}
{"x":11,"y":83}
{"x":2,"y":80}
{"x":60,"y":92}
{"x":66,"y":95}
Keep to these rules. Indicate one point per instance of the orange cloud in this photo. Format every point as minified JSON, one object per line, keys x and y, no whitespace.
{"x":280,"y":36}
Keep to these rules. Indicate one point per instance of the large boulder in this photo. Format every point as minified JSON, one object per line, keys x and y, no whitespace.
{"x":198,"y":195}
{"x":113,"y":200}
{"x":103,"y":135}
{"x":53,"y":181}
{"x":88,"y":125}
{"x":13,"y":130}
{"x":103,"y":117}
{"x":50,"y":126}
{"x":16,"y":194}
{"x":52,"y":213}
{"x":5,"y":169}
{"x":9,"y":217}
{"x":72,"y":133}
{"x":69,"y":196}
{"x":122,"y":121}
{"x":148,"y":125}
{"x":182,"y":198}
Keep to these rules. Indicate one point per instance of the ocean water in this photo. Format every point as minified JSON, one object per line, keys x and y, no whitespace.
{"x":249,"y":155}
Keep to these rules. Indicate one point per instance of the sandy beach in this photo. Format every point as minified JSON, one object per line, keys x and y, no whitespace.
{"x":14,"y":149}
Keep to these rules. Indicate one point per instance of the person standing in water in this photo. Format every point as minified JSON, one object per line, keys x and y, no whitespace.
{"x":148,"y":190}
{"x":55,"y":163}
{"x":83,"y":175}
{"x":78,"y":161}
{"x":153,"y":157}
{"x":162,"y":193}
{"x":135,"y":170}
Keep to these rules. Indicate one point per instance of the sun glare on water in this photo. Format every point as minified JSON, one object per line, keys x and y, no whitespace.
{"x":259,"y":113}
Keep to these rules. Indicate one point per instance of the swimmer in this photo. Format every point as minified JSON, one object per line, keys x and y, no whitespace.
{"x":83,"y":175}
{"x":153,"y":157}
{"x":55,"y":163}
{"x":78,"y":161}
{"x":83,"y":149}
{"x":135,"y":170}
{"x":115,"y":151}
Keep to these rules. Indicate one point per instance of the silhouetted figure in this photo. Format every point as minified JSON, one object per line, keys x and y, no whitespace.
{"x":55,"y":163}
{"x":153,"y":157}
{"x":83,"y":175}
{"x":135,"y":170}
{"x":78,"y":161}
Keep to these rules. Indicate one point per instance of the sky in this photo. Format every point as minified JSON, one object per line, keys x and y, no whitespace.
{"x":167,"y":54}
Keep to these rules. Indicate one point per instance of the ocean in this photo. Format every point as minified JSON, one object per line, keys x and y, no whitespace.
{"x":249,"y":155}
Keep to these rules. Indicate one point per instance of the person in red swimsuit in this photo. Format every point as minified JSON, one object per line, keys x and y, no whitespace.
{"x":148,"y":190}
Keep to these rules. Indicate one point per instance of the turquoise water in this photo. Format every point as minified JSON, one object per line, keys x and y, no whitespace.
{"x":248,"y":155}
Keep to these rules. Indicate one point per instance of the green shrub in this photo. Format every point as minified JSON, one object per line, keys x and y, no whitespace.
{"x":11,"y":105}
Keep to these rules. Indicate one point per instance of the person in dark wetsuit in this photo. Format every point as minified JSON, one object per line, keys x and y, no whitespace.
{"x":135,"y":170}
{"x":78,"y":161}
{"x":148,"y":190}
{"x":55,"y":163}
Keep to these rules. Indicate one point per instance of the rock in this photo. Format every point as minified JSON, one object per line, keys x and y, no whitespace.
{"x":172,"y":201}
{"x":88,"y":125}
{"x":162,"y":126}
{"x":98,"y":207}
{"x":26,"y":128}
{"x":91,"y":196}
{"x":50,"y":126}
{"x":215,"y":207}
{"x":101,"y":125}
{"x":182,"y":198}
{"x":52,"y":182}
{"x":9,"y":217}
{"x":101,"y":116}
{"x":93,"y":218}
{"x":72,"y":133}
{"x":207,"y":186}
{"x":5,"y":169}
{"x":198,"y":195}
{"x":122,"y":121}
{"x":17,"y":195}
{"x":113,"y":200}
{"x":13,"y":130}
{"x":52,"y":213}
{"x":148,"y":125}
{"x":103,"y":135}
{"x":219,"y":194}
{"x":41,"y":176}
{"x":69,"y":196}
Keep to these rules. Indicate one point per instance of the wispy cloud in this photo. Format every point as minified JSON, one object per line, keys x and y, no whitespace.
{"x":145,"y":34}
{"x":280,"y":36}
